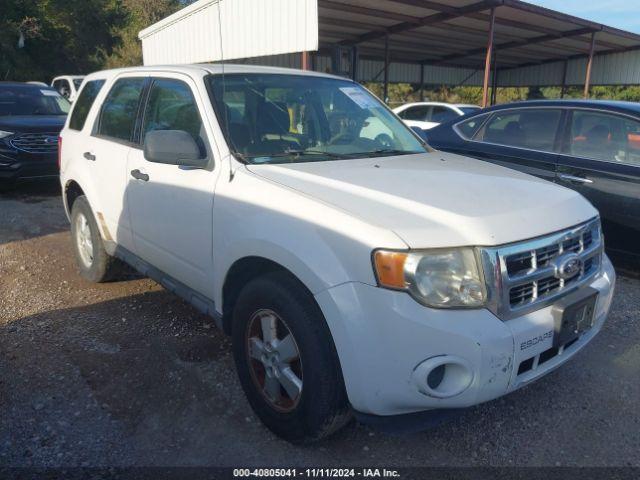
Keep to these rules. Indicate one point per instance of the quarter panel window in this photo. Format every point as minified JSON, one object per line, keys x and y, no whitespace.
{"x":118,"y":114}
{"x":171,"y":106}
{"x":84,"y":103}
{"x":606,"y":137}
{"x":535,"y":129}
{"x":469,"y":128}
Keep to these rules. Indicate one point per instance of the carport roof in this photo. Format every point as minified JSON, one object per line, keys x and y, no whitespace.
{"x":455,"y":32}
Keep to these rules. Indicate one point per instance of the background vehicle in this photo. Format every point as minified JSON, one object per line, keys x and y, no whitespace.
{"x":68,"y":85}
{"x":426,"y":115}
{"x":31,"y":117}
{"x":592,"y":147}
{"x":353,"y":274}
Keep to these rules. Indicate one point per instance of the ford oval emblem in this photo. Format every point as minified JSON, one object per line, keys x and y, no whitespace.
{"x":51,"y":140}
{"x":568,"y":266}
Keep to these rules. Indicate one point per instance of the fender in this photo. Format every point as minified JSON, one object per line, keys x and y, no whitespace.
{"x":321,"y":245}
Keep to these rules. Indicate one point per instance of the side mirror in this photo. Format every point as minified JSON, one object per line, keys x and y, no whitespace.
{"x":421,"y":133}
{"x":173,"y":147}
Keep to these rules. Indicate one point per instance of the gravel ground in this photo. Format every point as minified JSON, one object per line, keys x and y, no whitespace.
{"x":126,"y":374}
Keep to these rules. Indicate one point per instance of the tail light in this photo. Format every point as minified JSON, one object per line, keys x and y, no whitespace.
{"x":59,"y":151}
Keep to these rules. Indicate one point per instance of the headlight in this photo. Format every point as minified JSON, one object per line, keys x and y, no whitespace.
{"x":443,"y":278}
{"x":5,"y":134}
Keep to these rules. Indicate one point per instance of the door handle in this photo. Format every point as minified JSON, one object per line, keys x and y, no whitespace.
{"x":138,"y":175}
{"x":572,"y":178}
{"x":89,"y":156}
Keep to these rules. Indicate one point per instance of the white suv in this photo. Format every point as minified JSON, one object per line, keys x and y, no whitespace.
{"x":355,"y":273}
{"x":426,"y":115}
{"x":68,"y":85}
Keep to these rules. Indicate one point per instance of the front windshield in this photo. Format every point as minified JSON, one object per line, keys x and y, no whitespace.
{"x":30,"y":100}
{"x":270,"y":118}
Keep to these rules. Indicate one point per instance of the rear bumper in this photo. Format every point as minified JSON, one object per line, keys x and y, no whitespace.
{"x":387,"y":342}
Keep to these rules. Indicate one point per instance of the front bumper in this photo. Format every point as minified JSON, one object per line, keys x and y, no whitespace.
{"x":383,"y":337}
{"x":15,"y":164}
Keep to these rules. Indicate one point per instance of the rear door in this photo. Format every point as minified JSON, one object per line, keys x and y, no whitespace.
{"x":171,"y":206}
{"x":601,"y":160}
{"x":106,"y":153}
{"x":524,"y":139}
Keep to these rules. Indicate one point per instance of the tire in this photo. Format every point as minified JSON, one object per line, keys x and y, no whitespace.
{"x":100,"y":267}
{"x":322,"y":406}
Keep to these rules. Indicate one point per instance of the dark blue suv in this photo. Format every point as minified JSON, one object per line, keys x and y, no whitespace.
{"x":592,"y":147}
{"x":31,"y":117}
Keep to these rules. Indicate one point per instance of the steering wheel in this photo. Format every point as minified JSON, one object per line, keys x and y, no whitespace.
{"x":385,"y":140}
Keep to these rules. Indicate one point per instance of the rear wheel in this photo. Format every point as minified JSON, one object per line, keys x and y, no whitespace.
{"x":286,"y":360}
{"x":93,"y":261}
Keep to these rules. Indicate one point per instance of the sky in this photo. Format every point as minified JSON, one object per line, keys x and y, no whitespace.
{"x":614,"y":13}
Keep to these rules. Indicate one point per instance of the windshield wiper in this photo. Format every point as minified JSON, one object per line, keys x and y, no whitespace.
{"x":301,"y":153}
{"x":389,"y":151}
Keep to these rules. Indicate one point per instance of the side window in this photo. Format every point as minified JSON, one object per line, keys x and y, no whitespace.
{"x":64,"y":88}
{"x":415,"y":113}
{"x":531,"y":128}
{"x":442,"y":114}
{"x":83,"y":104}
{"x":602,"y":136}
{"x":469,"y":128}
{"x":118,"y":114}
{"x":171,"y":106}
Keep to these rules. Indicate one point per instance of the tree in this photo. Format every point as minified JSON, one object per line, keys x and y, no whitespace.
{"x":140,"y":14}
{"x":60,"y":36}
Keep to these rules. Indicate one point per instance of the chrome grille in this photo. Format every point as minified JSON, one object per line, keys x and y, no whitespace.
{"x":525,"y":276}
{"x":36,"y":142}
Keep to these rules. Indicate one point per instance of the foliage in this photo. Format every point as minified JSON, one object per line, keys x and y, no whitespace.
{"x":73,"y":36}
{"x":60,"y":36}
{"x":398,"y":93}
{"x":140,"y":14}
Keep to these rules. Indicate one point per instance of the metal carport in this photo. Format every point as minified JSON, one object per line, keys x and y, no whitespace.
{"x":447,"y":42}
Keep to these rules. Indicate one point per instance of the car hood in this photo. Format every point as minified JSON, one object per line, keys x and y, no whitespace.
{"x":32,"y":123}
{"x":437,"y":199}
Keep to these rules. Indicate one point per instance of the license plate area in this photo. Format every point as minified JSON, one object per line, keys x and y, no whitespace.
{"x":573,"y":315}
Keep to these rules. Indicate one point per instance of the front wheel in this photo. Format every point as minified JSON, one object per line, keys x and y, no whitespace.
{"x":286,"y":360}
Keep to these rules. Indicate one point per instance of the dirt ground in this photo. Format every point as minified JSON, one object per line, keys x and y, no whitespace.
{"x":125,"y":374}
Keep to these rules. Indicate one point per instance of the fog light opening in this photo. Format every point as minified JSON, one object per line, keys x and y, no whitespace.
{"x":444,"y":376}
{"x":435,"y":377}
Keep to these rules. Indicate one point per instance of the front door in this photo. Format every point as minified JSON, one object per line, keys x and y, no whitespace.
{"x":601,"y":160}
{"x":171,"y":207}
{"x":524,"y":139}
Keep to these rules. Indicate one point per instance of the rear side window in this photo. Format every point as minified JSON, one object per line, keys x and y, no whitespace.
{"x":83,"y":104}
{"x":118,"y":114}
{"x":535,"y":129}
{"x":606,"y":137}
{"x":171,"y":106}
